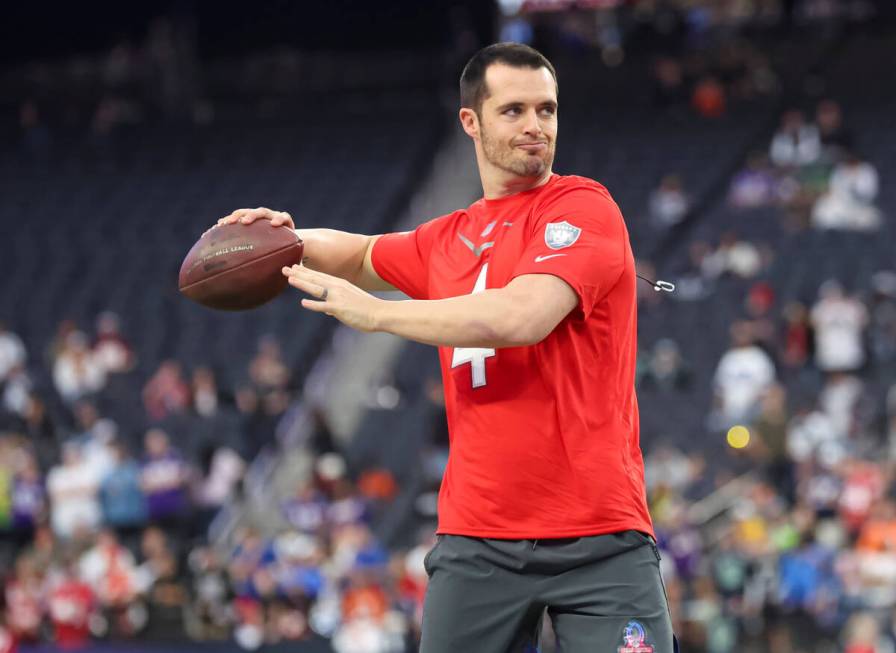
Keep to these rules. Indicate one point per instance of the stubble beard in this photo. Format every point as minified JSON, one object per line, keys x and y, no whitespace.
{"x":507,"y":158}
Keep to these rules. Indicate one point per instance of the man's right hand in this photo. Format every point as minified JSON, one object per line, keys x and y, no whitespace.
{"x":248,"y":216}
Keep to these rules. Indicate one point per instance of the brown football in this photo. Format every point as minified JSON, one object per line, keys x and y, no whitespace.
{"x":235,"y":267}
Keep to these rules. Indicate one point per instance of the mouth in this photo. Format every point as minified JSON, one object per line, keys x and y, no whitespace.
{"x":533,"y":148}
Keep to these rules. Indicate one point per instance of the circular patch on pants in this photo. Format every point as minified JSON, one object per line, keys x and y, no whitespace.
{"x":634,"y":639}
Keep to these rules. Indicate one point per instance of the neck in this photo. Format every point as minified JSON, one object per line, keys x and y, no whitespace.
{"x":497,"y":183}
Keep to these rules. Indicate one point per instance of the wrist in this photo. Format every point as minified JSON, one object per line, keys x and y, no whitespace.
{"x":379,"y":316}
{"x":306,"y":236}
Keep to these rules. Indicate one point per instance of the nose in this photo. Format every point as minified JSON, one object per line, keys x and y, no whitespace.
{"x":532,"y":125}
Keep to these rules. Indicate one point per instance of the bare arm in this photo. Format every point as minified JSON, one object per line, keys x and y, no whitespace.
{"x":337,"y":253}
{"x":524,"y":312}
{"x":344,"y":255}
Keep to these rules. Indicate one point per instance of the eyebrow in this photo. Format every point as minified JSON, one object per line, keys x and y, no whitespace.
{"x":510,"y":105}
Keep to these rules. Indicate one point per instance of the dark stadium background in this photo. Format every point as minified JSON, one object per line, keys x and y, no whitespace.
{"x":291,"y":497}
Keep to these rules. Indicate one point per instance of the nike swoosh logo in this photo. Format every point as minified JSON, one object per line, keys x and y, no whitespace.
{"x":539,"y":259}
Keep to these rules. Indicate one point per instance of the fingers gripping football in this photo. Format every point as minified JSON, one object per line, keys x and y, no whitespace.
{"x":248,"y":216}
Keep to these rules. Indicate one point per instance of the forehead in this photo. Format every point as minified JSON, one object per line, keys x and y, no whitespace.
{"x":528,"y":85}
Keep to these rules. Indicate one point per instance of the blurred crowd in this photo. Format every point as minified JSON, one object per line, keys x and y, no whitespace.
{"x":798,"y":552}
{"x":813,"y":173}
{"x":104,"y":533}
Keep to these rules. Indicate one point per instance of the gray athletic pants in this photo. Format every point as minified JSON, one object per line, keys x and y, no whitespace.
{"x":602,"y":593}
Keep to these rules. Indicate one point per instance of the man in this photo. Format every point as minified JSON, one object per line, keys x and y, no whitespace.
{"x":530,"y":296}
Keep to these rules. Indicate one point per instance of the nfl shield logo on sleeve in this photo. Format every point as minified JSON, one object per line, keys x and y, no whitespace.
{"x":558,"y":235}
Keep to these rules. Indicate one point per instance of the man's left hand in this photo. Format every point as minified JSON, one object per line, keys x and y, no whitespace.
{"x":335,"y":296}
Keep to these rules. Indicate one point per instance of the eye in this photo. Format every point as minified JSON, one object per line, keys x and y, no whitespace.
{"x":512,"y":111}
{"x":548,"y":111}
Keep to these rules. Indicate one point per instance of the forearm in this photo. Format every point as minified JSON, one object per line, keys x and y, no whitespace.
{"x":485,"y":319}
{"x":333,"y":252}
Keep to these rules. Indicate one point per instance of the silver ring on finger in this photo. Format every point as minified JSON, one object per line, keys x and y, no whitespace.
{"x":323,"y":295}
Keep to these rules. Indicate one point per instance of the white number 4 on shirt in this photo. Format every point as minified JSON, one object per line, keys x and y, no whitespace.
{"x":474,"y":355}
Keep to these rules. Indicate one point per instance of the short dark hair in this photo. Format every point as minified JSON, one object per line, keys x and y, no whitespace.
{"x":473,"y":89}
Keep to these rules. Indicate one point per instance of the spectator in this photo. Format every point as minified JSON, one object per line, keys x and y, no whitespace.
{"x":267,"y":370}
{"x":166,"y":392}
{"x":708,"y":98}
{"x":666,"y":367}
{"x":811,"y":433}
{"x":167,"y":603}
{"x":848,"y":204}
{"x":668,"y":203}
{"x":307,"y":510}
{"x":730,"y":568}
{"x":77,"y":373}
{"x":73,"y":487}
{"x":17,"y":390}
{"x":367,"y":624}
{"x":110,"y":349}
{"x":111,"y":572}
{"x":155,"y":548}
{"x":878,"y":533}
{"x":669,"y":90}
{"x":798,"y":338}
{"x":29,"y":498}
{"x":882,"y":329}
{"x":855,"y":178}
{"x":163,"y":478}
{"x":839,"y":322}
{"x":377,"y":485}
{"x":250,"y":554}
{"x":211,"y":593}
{"x":322,"y":440}
{"x":95,"y":439}
{"x":70,"y":607}
{"x":121,"y":496}
{"x":743,"y":374}
{"x":220,"y":485}
{"x":735,"y":256}
{"x":24,"y":598}
{"x":346,"y":507}
{"x":862,"y":634}
{"x":864,"y":484}
{"x":39,"y":429}
{"x":297,"y":570}
{"x":796,"y":143}
{"x":758,"y":303}
{"x":835,"y":137}
{"x":771,"y":430}
{"x":205,"y":392}
{"x":256,"y":424}
{"x":5,"y":498}
{"x":165,"y":592}
{"x":12,"y":352}
{"x":804,"y":577}
{"x":838,"y":399}
{"x":695,"y":281}
{"x":755,"y":185}
{"x":8,"y":643}
{"x":44,"y":548}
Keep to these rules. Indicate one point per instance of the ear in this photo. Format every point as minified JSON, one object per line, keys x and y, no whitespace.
{"x":470,"y":122}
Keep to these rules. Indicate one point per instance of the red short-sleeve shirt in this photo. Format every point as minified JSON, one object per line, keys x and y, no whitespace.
{"x":544,"y":438}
